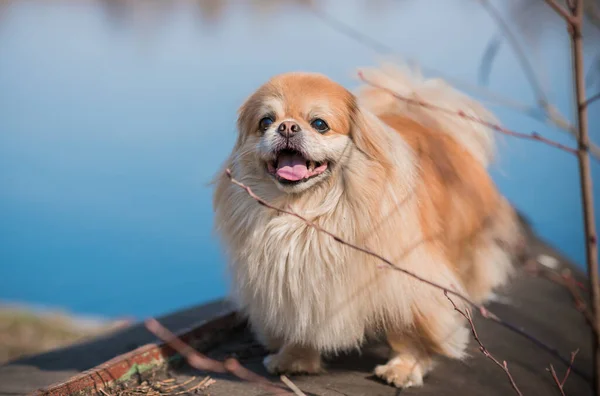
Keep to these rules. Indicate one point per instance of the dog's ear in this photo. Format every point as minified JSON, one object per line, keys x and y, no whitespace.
{"x":368,"y":133}
{"x":248,"y":116}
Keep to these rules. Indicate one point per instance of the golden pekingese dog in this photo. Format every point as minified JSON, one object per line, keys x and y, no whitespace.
{"x":403,"y":180}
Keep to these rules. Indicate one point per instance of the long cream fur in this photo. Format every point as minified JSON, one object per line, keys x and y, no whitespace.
{"x":306,"y":294}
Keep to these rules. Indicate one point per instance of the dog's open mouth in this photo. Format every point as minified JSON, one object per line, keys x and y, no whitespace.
{"x":293,"y":167}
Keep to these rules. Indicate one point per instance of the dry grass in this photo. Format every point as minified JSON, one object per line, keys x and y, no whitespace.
{"x":165,"y":387}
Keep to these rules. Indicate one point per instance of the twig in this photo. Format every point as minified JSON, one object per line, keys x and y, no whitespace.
{"x":173,"y":387}
{"x":533,"y":136}
{"x":551,"y":114}
{"x":482,"y":348}
{"x":573,"y":354}
{"x":585,"y":174}
{"x":557,"y":381}
{"x":561,"y":384}
{"x":591,"y":99}
{"x":205,"y":383}
{"x":487,"y":59}
{"x":317,"y":227}
{"x":521,"y":56}
{"x":561,"y":11}
{"x":534,"y":267}
{"x":291,"y":385}
{"x":204,"y":363}
{"x":388,"y":264}
{"x":565,"y":278}
{"x":580,"y":304}
{"x":349,"y":31}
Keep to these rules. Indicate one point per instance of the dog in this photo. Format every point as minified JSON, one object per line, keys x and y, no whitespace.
{"x":393,"y":176}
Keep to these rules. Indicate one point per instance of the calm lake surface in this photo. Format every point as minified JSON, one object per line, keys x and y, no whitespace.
{"x":114,"y":116}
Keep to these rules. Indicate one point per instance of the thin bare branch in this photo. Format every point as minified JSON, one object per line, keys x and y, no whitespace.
{"x":573,"y":354}
{"x":566,"y":279}
{"x":355,"y":247}
{"x":532,"y":136}
{"x":519,"y":51}
{"x":580,"y":304}
{"x":560,"y":384}
{"x":557,"y":381}
{"x":349,"y":31}
{"x":291,"y":385}
{"x":388,"y":264}
{"x":482,"y":348}
{"x":560,"y":10}
{"x":204,"y":363}
{"x":487,"y":60}
{"x":585,"y":178}
{"x":592,"y":99}
{"x":550,"y":114}
{"x":550,"y":111}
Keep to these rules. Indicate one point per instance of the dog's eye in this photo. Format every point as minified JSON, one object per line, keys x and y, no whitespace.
{"x":320,"y":125}
{"x":265,"y":123}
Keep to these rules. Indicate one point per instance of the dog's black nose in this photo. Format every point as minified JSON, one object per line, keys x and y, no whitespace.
{"x":288,"y":128}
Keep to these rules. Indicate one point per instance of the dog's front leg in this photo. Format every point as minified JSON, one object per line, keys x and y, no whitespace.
{"x":408,"y":364}
{"x":292,"y":358}
{"x":438,"y":330}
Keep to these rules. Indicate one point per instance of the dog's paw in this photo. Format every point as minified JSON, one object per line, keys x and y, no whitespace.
{"x":284,"y":363}
{"x":402,"y":374}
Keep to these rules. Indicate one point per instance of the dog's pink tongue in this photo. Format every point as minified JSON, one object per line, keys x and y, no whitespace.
{"x":292,"y":167}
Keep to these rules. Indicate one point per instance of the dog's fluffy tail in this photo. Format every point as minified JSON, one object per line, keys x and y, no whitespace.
{"x":377,"y":95}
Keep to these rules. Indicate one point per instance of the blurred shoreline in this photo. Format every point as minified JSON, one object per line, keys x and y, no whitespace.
{"x":28,"y":330}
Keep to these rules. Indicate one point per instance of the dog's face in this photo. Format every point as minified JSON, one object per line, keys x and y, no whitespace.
{"x":297,"y":129}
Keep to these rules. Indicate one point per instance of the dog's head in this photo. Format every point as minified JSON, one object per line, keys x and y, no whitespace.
{"x":299,"y":129}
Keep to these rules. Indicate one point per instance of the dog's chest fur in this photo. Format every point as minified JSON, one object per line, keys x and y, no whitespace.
{"x":302,"y":286}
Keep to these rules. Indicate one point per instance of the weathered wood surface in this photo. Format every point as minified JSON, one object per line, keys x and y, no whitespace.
{"x":542,"y":308}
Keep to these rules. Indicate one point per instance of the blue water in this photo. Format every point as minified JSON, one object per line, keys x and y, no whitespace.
{"x":114,"y":116}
